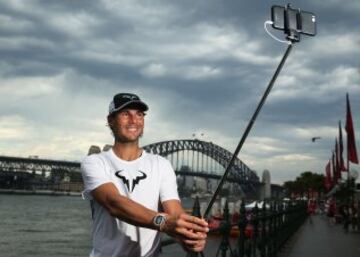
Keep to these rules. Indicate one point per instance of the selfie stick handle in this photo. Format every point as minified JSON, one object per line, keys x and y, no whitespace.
{"x":248,"y":128}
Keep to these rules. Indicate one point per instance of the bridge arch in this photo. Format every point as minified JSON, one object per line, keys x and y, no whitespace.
{"x":240,"y":171}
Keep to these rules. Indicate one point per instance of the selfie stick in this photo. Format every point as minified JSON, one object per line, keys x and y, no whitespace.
{"x":248,"y":128}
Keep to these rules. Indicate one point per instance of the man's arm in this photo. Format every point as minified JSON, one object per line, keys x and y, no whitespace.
{"x":178,"y":224}
{"x":122,"y":207}
{"x":173,"y":207}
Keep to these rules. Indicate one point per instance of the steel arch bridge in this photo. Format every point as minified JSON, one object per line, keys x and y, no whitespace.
{"x":240,"y":172}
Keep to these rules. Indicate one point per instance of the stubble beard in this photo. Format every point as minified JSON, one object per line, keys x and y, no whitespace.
{"x":125,"y":140}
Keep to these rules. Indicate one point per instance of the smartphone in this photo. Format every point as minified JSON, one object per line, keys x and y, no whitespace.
{"x":289,"y":19}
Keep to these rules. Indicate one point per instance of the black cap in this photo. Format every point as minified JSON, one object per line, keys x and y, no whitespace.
{"x":126,"y":100}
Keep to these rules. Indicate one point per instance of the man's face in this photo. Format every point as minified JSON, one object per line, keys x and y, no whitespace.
{"x":127,"y":125}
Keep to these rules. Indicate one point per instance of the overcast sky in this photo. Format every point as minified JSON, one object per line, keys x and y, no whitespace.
{"x":202,"y":67}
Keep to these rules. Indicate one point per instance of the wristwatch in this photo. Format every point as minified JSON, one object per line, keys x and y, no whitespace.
{"x":159,"y":221}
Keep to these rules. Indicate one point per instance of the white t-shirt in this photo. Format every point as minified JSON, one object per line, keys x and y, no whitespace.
{"x":148,"y":180}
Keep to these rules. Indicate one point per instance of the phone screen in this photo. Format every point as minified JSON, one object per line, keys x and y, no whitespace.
{"x":308,"y":23}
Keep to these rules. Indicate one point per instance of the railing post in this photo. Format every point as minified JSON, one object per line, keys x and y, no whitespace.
{"x":196,"y":208}
{"x":287,"y":221}
{"x":271,"y":231}
{"x":225,"y":228}
{"x":281,"y":224}
{"x":293,"y":217}
{"x":255,"y":232}
{"x":263,"y":230}
{"x":277,"y":228}
{"x":242,"y":225}
{"x":357,"y":221}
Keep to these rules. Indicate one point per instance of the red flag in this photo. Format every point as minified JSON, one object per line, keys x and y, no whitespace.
{"x":328,"y":176}
{"x":337,"y":170}
{"x":349,"y":127}
{"x":341,"y":149}
{"x":334,"y":168}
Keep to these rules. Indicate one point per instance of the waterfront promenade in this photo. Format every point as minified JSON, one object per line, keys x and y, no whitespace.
{"x":318,"y":237}
{"x":60,"y":227}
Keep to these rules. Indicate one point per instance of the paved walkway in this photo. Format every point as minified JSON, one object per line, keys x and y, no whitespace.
{"x":318,"y":238}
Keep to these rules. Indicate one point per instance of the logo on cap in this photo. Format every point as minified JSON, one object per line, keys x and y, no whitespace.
{"x":131,"y":97}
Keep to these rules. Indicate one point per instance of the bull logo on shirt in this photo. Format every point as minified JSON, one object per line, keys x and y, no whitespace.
{"x":130,"y":184}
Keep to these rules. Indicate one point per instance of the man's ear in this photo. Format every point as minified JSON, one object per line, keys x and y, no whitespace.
{"x":110,"y":120}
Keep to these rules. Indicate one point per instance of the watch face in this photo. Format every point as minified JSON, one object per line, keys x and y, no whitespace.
{"x":159,"y":219}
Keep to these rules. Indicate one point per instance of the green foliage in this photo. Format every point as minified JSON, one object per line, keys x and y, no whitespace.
{"x":306,"y":182}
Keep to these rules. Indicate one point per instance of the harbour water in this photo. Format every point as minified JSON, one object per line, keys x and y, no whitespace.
{"x":44,"y":226}
{"x":51,"y":226}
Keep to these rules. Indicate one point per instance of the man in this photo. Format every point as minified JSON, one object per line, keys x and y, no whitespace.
{"x":127,"y":186}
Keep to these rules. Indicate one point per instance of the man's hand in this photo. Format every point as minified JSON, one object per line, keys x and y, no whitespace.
{"x":194,"y":245}
{"x":189,"y":230}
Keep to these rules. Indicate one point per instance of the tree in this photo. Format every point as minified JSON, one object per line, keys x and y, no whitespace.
{"x":305,"y":183}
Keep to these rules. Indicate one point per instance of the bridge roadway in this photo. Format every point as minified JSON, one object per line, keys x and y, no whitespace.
{"x":318,"y":237}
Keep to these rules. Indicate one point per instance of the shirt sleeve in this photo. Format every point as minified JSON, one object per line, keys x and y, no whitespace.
{"x":94,"y":174}
{"x":168,"y":185}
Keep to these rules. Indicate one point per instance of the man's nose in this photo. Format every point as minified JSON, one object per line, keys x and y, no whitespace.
{"x":132,"y":118}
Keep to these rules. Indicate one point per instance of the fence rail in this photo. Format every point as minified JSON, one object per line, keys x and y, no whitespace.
{"x":262,"y":231}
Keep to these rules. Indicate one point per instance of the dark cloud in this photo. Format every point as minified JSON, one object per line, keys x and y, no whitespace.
{"x":202,"y":66}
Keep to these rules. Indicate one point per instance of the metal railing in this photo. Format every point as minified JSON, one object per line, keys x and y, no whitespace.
{"x":261,"y":231}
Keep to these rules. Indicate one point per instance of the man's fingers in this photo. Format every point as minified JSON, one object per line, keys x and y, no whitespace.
{"x":186,"y":227}
{"x":194,"y":220}
{"x":193,"y":223}
{"x":194,"y":246}
{"x":188,"y":234}
{"x":183,"y":233}
{"x":194,"y":242}
{"x":193,"y":227}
